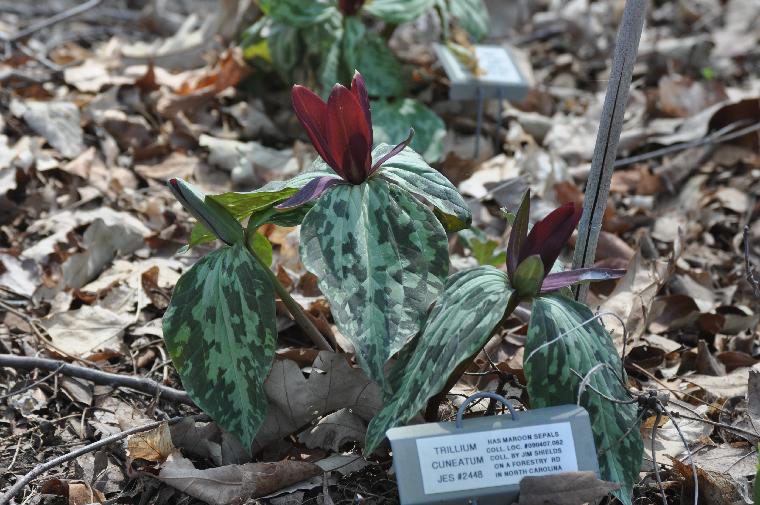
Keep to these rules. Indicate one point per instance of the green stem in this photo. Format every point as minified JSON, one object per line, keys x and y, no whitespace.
{"x":293,"y":306}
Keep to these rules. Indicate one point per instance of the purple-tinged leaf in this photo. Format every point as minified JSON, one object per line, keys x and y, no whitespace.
{"x":559,"y":280}
{"x":518,"y":235}
{"x":393,"y":152}
{"x":311,"y":191}
{"x":549,"y":236}
{"x":312,"y":112}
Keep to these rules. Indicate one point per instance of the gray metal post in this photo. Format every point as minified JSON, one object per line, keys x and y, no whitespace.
{"x":610,"y":126}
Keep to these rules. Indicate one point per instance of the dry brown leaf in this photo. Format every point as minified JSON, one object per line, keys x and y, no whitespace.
{"x":233,"y":483}
{"x":714,"y":488}
{"x":332,"y":385}
{"x":633,"y":296}
{"x":334,"y":431}
{"x":154,"y":445}
{"x":88,"y":330}
{"x":77,"y":492}
{"x":569,"y":488}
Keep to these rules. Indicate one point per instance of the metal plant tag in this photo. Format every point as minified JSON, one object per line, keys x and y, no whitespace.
{"x":484,"y":459}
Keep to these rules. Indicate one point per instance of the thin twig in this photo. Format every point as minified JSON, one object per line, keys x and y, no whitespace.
{"x":141,"y":384}
{"x":691,"y":458}
{"x":33,"y":384}
{"x":654,"y":457}
{"x":62,"y":16}
{"x":752,"y":277}
{"x":715,"y":137}
{"x":44,"y":467}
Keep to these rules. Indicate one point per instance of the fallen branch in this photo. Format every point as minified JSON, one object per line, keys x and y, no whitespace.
{"x":141,"y":384}
{"x":44,"y":467}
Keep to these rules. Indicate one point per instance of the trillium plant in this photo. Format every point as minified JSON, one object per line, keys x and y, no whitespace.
{"x":374,"y":220}
{"x":322,"y":42}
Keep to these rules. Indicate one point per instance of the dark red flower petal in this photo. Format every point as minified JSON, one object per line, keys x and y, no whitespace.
{"x":350,"y":7}
{"x":555,"y":281}
{"x":393,"y":152}
{"x":312,"y":112}
{"x":311,"y":191}
{"x":359,"y":89}
{"x":549,"y":236}
{"x":517,"y":236}
{"x":348,"y":134}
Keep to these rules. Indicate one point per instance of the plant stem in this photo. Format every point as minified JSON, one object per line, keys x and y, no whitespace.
{"x":293,"y":306}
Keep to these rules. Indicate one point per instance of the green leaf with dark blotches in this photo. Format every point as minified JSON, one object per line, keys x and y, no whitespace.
{"x":472,"y":15}
{"x":410,"y":172}
{"x":551,"y":381}
{"x":391,"y":121}
{"x":297,"y":12}
{"x":220,"y":332}
{"x":482,"y":248}
{"x":382,"y":71}
{"x":528,"y":277}
{"x":461,"y":322}
{"x":381,"y":258}
{"x":243,"y":204}
{"x":398,"y":11}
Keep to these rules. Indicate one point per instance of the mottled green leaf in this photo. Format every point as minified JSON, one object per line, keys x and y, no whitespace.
{"x":381,"y":258}
{"x":410,"y":172}
{"x":353,"y":35}
{"x":471,"y":305}
{"x":298,"y":12}
{"x":551,"y":381}
{"x":382,"y":71}
{"x":528,"y":277}
{"x":220,"y":332}
{"x":391,"y":121}
{"x":472,"y":15}
{"x":398,"y":11}
{"x":482,"y":248}
{"x":243,"y":204}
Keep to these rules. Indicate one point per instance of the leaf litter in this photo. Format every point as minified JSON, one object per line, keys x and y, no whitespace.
{"x":89,"y":238}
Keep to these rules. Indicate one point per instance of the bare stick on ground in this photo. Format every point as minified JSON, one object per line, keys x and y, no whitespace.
{"x":141,"y":384}
{"x":48,"y":465}
{"x":610,"y":126}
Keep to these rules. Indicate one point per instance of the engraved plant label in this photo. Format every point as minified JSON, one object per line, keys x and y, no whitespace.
{"x":495,"y":458}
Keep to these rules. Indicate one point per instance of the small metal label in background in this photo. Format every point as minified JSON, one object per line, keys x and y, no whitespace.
{"x":501,"y":77}
{"x":486,"y":458}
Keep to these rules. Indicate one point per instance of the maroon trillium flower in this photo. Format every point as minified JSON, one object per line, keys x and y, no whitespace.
{"x":350,"y":7}
{"x":546,"y":240}
{"x":341,"y":132}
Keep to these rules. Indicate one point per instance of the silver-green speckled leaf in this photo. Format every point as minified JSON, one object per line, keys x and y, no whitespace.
{"x":381,"y":258}
{"x":552,"y":382}
{"x":462,"y":321}
{"x":398,"y":11}
{"x":410,"y":172}
{"x":220,"y":332}
{"x":242,"y":204}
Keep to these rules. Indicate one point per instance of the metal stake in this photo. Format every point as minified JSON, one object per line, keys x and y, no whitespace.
{"x":610,"y":126}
